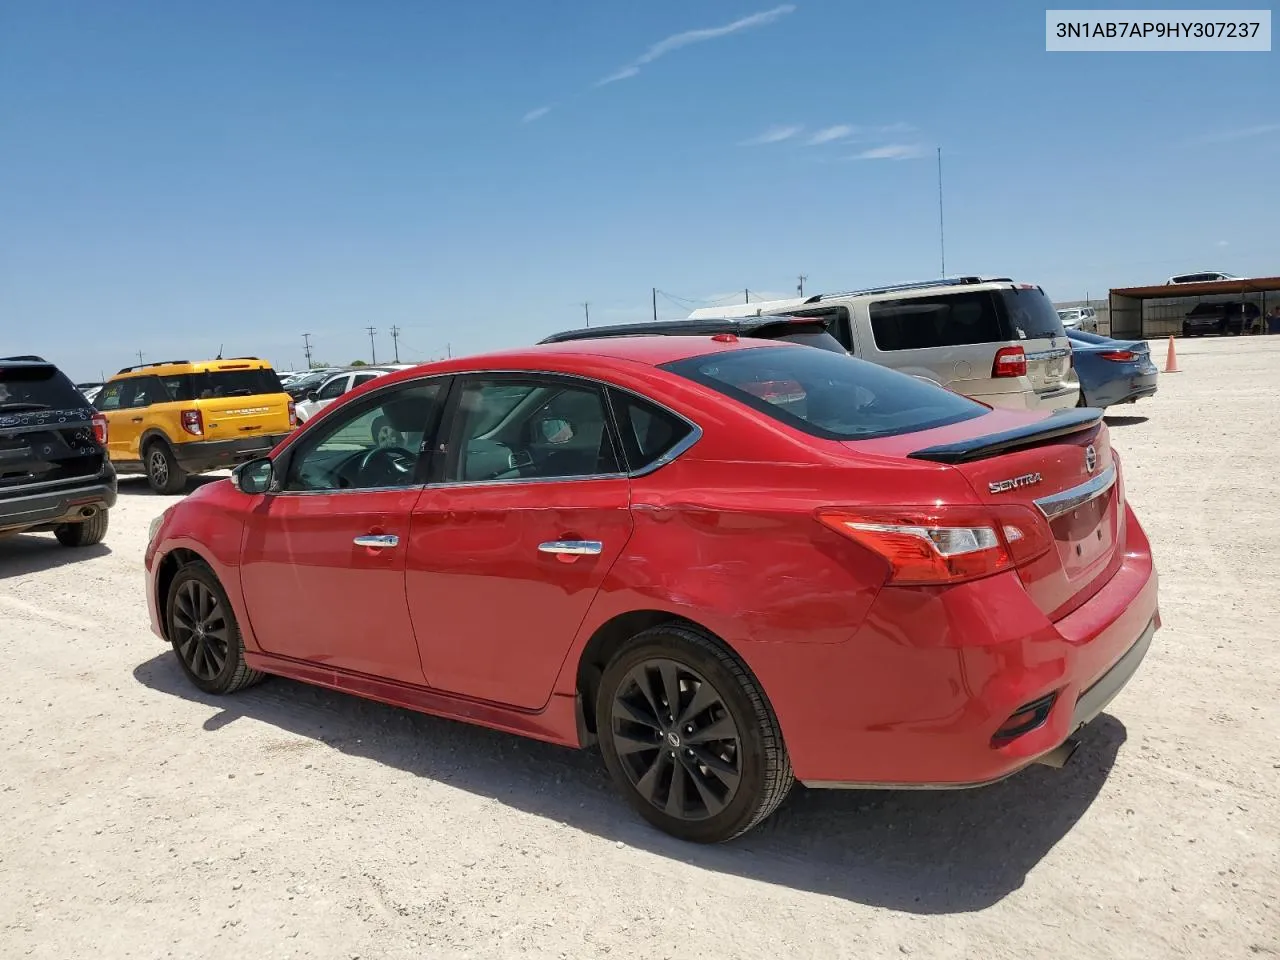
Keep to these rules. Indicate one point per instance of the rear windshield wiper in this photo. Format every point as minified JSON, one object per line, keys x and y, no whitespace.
{"x":24,"y":405}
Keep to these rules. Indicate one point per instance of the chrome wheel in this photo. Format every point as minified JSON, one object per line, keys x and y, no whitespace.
{"x":201,"y":632}
{"x":676,"y":740}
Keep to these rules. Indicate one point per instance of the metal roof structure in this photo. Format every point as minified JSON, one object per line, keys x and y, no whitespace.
{"x":1158,"y":310}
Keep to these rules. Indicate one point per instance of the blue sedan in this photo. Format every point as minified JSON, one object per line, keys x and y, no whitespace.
{"x":1111,"y":371}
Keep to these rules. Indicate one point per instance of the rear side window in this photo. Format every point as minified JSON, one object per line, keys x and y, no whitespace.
{"x":828,"y":395}
{"x":648,"y":432}
{"x":37,"y":387}
{"x":952,"y":320}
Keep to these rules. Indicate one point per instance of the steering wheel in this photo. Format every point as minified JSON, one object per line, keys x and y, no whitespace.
{"x":387,"y":466}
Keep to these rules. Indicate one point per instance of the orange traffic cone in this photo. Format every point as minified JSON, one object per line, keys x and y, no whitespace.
{"x":1171,"y":362}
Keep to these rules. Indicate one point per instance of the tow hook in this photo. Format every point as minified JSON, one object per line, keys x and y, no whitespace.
{"x":1059,"y":755}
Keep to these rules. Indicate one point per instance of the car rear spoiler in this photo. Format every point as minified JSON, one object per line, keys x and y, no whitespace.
{"x":1061,"y":423}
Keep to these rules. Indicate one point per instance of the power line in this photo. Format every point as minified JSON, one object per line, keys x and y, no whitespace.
{"x":395,"y":341}
{"x":373,"y":349}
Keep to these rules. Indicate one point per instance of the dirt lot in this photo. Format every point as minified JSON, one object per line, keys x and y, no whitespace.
{"x":142,"y":819}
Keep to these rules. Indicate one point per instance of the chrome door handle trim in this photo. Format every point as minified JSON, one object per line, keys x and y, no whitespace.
{"x":572,"y":548}
{"x":378,"y":541}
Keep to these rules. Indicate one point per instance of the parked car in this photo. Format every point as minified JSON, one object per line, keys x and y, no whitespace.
{"x":317,"y":398}
{"x":299,"y":386}
{"x":1205,"y":276}
{"x":1079,"y":318}
{"x":89,"y":390}
{"x":728,"y":561}
{"x":1220,"y":318}
{"x":997,"y":341}
{"x":1112,"y":371}
{"x":174,"y":418}
{"x":810,"y":331}
{"x":54,"y":471}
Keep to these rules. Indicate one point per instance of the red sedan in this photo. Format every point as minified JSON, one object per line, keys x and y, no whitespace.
{"x":731,"y":564}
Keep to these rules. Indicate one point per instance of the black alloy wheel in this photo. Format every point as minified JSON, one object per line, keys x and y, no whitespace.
{"x":204,"y":633}
{"x":677,"y":743}
{"x":689,"y":736}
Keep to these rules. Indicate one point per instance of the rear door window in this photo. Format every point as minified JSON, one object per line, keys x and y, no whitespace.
{"x":828,"y":395}
{"x":949,"y":320}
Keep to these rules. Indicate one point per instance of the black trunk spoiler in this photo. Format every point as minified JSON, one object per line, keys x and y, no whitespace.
{"x":1058,"y":424}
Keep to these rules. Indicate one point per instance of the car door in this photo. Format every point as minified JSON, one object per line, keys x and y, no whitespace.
{"x":508,"y":551}
{"x":124,"y":404}
{"x":323,"y":559}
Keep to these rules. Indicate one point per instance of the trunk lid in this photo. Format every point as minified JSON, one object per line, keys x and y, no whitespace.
{"x":1033,"y":324}
{"x":1062,"y":468}
{"x":238,"y":400}
{"x":46,"y":432}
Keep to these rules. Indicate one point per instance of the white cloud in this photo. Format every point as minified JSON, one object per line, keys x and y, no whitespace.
{"x":1242,"y":133}
{"x":892,"y":151}
{"x":678,"y":40}
{"x":772,"y":135}
{"x":1221,"y":243}
{"x":535,"y":114}
{"x":828,"y":134}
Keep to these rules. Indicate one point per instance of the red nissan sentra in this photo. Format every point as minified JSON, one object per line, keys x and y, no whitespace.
{"x":730,"y":563}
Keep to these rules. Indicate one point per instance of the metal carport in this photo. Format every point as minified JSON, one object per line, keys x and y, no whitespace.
{"x":1141,"y":313}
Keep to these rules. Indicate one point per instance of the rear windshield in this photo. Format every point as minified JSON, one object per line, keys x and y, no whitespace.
{"x":829,"y":395}
{"x":37,"y":387}
{"x":814,"y":338}
{"x":222,"y":383}
{"x":960,"y":319}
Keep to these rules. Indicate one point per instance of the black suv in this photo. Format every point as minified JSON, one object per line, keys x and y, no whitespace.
{"x":54,"y":471}
{"x":810,"y":331}
{"x":1219,"y":318}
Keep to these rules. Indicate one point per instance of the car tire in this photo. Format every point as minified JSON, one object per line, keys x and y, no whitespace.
{"x":203,"y":631}
{"x":85,"y":533}
{"x":163,"y":473}
{"x":732,"y":769}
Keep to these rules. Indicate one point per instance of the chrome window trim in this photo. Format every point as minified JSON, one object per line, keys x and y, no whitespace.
{"x":1055,"y":505}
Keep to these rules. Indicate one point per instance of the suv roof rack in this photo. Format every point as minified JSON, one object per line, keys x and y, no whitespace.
{"x":917,"y":285}
{"x":142,"y":366}
{"x":700,"y":327}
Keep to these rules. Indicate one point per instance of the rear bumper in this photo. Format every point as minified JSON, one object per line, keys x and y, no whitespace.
{"x":1123,"y":390}
{"x":67,"y":505}
{"x":200,"y":456}
{"x":915,"y":698}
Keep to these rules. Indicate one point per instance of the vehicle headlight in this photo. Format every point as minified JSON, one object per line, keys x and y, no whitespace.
{"x":155,"y":526}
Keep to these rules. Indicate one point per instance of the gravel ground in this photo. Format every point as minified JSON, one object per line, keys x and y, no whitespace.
{"x":143,"y":819}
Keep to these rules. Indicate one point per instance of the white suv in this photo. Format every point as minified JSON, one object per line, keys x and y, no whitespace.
{"x":994,"y":340}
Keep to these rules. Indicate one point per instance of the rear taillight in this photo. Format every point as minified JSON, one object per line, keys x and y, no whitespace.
{"x":193,"y":422}
{"x":293,"y":414}
{"x":943,"y":544}
{"x":1010,"y":362}
{"x":100,"y":428}
{"x":1119,"y":356}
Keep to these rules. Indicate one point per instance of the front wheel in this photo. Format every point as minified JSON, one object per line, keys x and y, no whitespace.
{"x":204,"y":632}
{"x":163,"y":473}
{"x":689,"y":737}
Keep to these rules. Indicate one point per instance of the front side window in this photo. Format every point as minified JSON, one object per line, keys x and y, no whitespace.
{"x":828,"y":395}
{"x":109,"y":398}
{"x":334,"y":388}
{"x":530,"y":428}
{"x":377,"y":444}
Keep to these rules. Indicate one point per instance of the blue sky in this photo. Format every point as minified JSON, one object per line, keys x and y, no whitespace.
{"x":176,"y":176}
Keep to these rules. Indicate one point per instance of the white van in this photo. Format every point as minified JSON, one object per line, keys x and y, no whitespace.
{"x":991,"y":339}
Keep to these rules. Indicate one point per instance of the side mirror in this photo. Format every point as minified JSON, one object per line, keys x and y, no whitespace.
{"x":556,"y":430}
{"x":313,"y":394}
{"x":255,"y":477}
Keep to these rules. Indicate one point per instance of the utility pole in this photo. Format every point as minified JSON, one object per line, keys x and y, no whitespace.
{"x":942,"y":235}
{"x":746,"y":296}
{"x":373,"y":349}
{"x":306,"y":348}
{"x":655,"y":304}
{"x":139,"y":358}
{"x":586,"y":312}
{"x":800,"y":286}
{"x":395,"y":341}
{"x":448,"y":350}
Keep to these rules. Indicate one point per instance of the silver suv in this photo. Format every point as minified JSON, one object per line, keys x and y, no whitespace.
{"x":991,"y":339}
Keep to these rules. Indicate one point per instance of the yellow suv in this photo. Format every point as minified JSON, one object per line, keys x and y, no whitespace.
{"x":178,"y":417}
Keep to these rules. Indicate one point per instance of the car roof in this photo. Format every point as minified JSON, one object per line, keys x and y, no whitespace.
{"x":761,"y":327}
{"x":171,"y":367}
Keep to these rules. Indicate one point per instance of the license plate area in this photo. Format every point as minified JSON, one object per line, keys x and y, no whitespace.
{"x":1085,"y":535}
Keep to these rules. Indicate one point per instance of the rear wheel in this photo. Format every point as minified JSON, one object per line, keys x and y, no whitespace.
{"x":689,"y":737}
{"x":85,"y":533}
{"x":204,"y":632}
{"x":163,"y":473}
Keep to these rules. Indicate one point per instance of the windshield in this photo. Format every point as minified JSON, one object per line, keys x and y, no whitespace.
{"x":37,"y":387}
{"x":829,"y":395}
